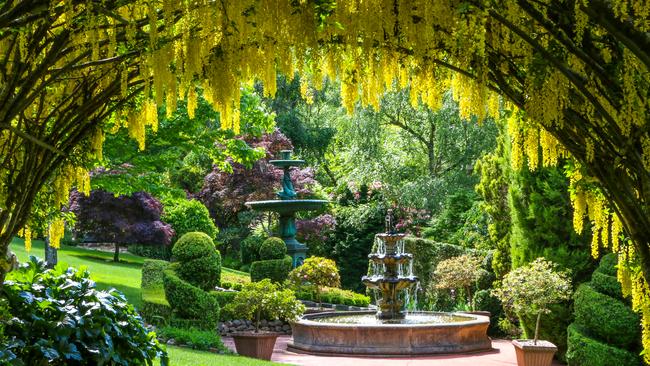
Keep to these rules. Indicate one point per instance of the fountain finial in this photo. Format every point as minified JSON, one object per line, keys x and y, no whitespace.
{"x":390,"y":222}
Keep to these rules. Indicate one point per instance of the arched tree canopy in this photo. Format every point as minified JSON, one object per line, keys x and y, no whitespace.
{"x":574,"y":74}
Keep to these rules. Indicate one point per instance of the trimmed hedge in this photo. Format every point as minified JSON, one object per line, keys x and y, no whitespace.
{"x":607,"y":285}
{"x":190,"y":302}
{"x":163,"y":252}
{"x":152,"y":273}
{"x":333,"y":295}
{"x":605,"y":317}
{"x":608,"y":264}
{"x":277,"y":270}
{"x":585,"y":351}
{"x":199,"y":261}
{"x":273,"y":248}
{"x":154,"y":308}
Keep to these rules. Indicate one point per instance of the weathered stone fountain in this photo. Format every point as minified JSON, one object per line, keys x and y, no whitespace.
{"x":390,"y":331}
{"x":286,"y":206}
{"x":391,"y":271}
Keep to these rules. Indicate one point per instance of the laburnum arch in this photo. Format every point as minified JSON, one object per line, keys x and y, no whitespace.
{"x":573,"y":76}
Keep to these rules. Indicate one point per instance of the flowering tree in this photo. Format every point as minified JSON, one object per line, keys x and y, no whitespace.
{"x":459,"y":272}
{"x":121,"y":220}
{"x":316,"y":232}
{"x":532,"y":288}
{"x":316,"y":271}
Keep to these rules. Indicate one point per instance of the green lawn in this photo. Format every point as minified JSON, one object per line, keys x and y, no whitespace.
{"x":125,"y":276}
{"x":184,"y":356}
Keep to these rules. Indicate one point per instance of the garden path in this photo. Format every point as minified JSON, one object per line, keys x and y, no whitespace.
{"x":503,"y":354}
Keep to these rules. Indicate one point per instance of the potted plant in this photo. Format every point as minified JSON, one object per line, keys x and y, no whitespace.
{"x":460,"y":272}
{"x":530,"y":290}
{"x":319,"y":272}
{"x":257,"y":299}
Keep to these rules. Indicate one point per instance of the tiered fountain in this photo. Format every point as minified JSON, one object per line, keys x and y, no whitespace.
{"x":391,"y":271}
{"x":286,"y":206}
{"x":390,"y":331}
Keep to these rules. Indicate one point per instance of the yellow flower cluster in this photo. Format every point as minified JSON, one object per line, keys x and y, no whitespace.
{"x":56,"y":232}
{"x":27,"y":235}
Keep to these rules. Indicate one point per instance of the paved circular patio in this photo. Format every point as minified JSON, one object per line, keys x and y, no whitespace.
{"x":502,"y":354}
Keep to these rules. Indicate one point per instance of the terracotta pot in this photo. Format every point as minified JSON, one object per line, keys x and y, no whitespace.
{"x":256,"y":345}
{"x":531,"y":354}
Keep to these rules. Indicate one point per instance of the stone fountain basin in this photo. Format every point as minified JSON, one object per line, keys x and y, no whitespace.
{"x":322,"y":338}
{"x":287,"y":206}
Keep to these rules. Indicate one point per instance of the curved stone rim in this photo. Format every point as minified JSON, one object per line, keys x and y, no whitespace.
{"x":472,"y":320}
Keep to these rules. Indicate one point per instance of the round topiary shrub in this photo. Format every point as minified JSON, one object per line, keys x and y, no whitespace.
{"x":198,"y":261}
{"x":273,"y":248}
{"x":187,"y":216}
{"x":606,"y":318}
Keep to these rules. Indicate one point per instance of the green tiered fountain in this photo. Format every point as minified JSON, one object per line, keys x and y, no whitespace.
{"x":286,"y":206}
{"x":391,"y":271}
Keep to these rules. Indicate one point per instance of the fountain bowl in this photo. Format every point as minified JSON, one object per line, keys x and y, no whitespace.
{"x":333,"y":333}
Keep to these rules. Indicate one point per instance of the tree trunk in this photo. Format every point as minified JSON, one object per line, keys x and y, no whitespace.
{"x":51,"y":254}
{"x":116,"y":254}
{"x":539,"y":317}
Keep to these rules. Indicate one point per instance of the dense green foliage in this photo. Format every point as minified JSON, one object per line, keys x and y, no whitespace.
{"x":249,"y":249}
{"x":484,"y":300}
{"x":60,"y":318}
{"x":605,"y":328}
{"x":187,"y":216}
{"x":193,"y":338}
{"x":462,"y":272}
{"x":277,"y":270}
{"x":152,"y":273}
{"x":151,"y":251}
{"x":607,"y":319}
{"x":191,"y":303}
{"x":273,"y":248}
{"x":333,"y":295}
{"x":586,"y":351}
{"x":199,"y":263}
{"x":224,"y":298}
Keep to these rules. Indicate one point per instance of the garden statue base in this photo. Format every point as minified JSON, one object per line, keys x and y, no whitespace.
{"x":531,"y":354}
{"x":256,"y":345}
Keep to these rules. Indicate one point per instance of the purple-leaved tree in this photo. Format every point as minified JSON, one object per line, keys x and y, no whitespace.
{"x":120,"y":220}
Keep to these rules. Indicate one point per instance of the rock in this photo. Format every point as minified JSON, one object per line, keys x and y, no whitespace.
{"x":286,"y":327}
{"x":237,"y":322}
{"x":241,"y":327}
{"x":171,"y":341}
{"x":263,"y":322}
{"x":229,"y":323}
{"x":265,"y":328}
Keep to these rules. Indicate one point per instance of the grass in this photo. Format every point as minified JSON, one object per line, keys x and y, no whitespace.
{"x":185,"y":356}
{"x":125,"y":276}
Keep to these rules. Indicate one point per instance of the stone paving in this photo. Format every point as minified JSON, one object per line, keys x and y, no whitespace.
{"x":502,"y":354}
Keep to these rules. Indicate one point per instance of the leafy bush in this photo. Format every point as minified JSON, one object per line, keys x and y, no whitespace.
{"x":154,"y":307}
{"x":317,"y":271}
{"x":163,"y":252}
{"x":277,"y":270}
{"x":250,"y":249}
{"x":193,"y":338}
{"x":273,"y":248}
{"x":265,"y":297}
{"x":190,"y":302}
{"x":60,"y":318}
{"x":605,"y":317}
{"x":459,"y":272}
{"x":187,"y":216}
{"x":586,"y":351}
{"x":486,"y":301}
{"x":607,"y":285}
{"x":531,"y":289}
{"x":199,"y":261}
{"x":152,"y":273}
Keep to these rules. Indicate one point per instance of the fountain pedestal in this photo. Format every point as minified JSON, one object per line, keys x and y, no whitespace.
{"x":286,"y":206}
